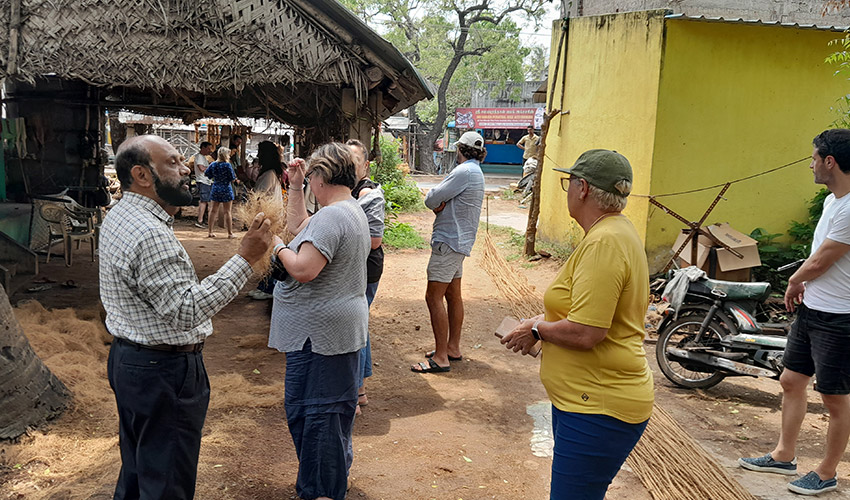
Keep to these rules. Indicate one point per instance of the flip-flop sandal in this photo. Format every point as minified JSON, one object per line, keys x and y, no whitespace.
{"x":362,"y":403}
{"x":430,"y":355}
{"x":69,"y":284}
{"x":44,"y":280}
{"x":39,"y":288}
{"x":432,"y":367}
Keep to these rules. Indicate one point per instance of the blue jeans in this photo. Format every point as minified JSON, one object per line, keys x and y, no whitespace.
{"x":366,"y":352}
{"x":589,"y":450}
{"x":267,"y":284}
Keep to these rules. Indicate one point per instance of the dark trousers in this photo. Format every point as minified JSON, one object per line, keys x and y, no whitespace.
{"x":320,"y":398}
{"x":162,"y":400}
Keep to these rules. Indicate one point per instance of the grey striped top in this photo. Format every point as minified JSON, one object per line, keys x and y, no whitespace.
{"x":330,"y":310}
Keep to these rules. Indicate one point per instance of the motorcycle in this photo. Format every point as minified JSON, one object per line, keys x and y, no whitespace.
{"x":722,"y":329}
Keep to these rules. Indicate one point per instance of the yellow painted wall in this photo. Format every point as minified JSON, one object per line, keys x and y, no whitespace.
{"x":612,"y":73}
{"x":734,"y":100}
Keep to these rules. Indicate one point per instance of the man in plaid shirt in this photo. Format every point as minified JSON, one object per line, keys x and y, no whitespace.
{"x":160,"y":314}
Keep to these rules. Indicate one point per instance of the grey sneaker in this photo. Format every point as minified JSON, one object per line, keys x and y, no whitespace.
{"x":768,"y":464}
{"x":812,"y":484}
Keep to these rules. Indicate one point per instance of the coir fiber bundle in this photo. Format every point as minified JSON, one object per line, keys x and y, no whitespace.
{"x":275,"y":211}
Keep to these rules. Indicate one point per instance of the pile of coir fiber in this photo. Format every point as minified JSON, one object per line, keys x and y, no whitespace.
{"x":77,"y":456}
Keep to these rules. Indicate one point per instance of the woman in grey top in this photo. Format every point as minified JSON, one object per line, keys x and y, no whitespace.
{"x":320,"y":318}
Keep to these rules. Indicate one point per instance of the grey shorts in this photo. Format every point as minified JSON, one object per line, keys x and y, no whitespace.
{"x":445,"y":264}
{"x":204,"y":191}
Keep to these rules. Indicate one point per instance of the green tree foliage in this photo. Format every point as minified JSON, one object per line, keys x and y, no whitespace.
{"x":454,"y":43}
{"x":400,"y":190}
{"x":401,"y":194}
{"x":841,"y":60}
{"x":537,"y":67}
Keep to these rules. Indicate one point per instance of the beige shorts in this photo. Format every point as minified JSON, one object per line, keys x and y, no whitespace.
{"x":445,"y":264}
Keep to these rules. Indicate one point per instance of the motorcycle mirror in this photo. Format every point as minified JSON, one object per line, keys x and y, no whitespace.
{"x":796,"y":263}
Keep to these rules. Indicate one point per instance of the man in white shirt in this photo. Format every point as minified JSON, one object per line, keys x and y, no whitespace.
{"x":819,"y":342}
{"x":203,"y":182}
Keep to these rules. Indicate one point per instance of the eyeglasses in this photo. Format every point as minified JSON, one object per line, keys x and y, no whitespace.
{"x":565,"y":182}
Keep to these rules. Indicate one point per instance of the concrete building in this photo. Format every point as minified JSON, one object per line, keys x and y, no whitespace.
{"x":490,"y":94}
{"x":692,"y":102}
{"x":784,"y":11}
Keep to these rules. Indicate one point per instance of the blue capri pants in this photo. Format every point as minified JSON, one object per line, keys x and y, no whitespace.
{"x":589,"y":450}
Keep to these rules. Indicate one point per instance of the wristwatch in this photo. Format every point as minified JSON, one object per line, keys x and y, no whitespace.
{"x":534,"y":332}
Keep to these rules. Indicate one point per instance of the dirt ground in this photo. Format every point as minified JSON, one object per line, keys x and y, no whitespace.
{"x":461,"y":435}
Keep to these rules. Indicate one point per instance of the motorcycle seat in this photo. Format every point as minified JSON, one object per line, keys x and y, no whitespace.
{"x":739,"y":291}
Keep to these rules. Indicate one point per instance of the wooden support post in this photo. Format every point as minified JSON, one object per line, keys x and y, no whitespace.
{"x":534,"y":211}
{"x":14,"y":29}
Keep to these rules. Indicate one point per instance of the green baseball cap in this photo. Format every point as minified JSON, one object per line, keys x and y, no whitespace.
{"x":601,"y":168}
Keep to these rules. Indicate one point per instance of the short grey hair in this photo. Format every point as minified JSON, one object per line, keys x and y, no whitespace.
{"x":609,"y":201}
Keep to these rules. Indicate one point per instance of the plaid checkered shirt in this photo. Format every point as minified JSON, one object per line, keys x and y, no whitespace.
{"x":148,"y":284}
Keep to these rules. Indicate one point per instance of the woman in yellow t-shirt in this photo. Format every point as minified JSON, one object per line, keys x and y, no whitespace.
{"x":594,"y":367}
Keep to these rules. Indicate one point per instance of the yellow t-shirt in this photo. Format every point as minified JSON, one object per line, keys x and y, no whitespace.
{"x":604,"y":283}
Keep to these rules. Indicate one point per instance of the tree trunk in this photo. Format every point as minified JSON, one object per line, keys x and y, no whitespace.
{"x":29,"y":393}
{"x":426,"y":150}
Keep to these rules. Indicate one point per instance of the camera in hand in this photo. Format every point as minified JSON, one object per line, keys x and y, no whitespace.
{"x":278,"y":272}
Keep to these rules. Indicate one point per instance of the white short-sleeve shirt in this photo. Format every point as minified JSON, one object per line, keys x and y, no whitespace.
{"x":830,"y":292}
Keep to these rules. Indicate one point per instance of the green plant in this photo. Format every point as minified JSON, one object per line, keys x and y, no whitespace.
{"x":774,"y":254}
{"x":400,"y":191}
{"x":402,"y":235}
{"x":403,"y":196}
{"x":558,"y":251}
{"x":508,"y":194}
{"x":386,"y":171}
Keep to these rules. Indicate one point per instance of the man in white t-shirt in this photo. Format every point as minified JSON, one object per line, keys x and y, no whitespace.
{"x":819,"y":342}
{"x":204,"y":183}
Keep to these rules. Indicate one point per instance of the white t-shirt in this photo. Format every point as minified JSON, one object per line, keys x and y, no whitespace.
{"x":201,"y":161}
{"x":830,"y":292}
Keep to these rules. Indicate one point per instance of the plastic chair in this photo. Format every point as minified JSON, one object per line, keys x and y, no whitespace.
{"x":62,"y":222}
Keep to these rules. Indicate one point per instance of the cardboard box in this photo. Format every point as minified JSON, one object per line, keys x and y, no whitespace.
{"x":727,"y":265}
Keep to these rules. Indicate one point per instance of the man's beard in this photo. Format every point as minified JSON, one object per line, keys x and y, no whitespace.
{"x":173,"y":195}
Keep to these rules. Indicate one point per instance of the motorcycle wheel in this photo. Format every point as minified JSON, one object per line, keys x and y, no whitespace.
{"x":681,"y":333}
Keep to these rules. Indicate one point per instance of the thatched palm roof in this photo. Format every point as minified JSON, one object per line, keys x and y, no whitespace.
{"x":285,"y":59}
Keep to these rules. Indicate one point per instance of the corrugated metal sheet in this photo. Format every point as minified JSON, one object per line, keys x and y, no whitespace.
{"x":758,"y":22}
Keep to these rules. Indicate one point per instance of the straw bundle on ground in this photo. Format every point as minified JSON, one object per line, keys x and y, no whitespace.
{"x":673,"y":466}
{"x":524,"y":300}
{"x":275,"y":211}
{"x":667,"y":460}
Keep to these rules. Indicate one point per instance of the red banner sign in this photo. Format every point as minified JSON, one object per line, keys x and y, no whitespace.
{"x":489,"y":118}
